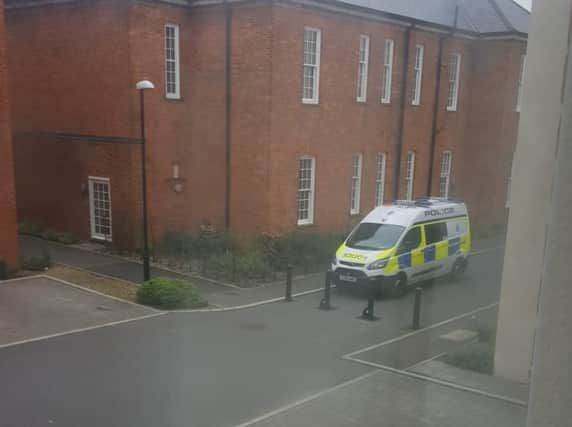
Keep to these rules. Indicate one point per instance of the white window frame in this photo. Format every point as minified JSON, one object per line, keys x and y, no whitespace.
{"x":520,"y":82}
{"x":176,"y":94}
{"x":315,"y":99}
{"x":409,"y":175}
{"x":454,"y":76}
{"x":311,"y":197}
{"x":387,"y":77}
{"x":94,"y":234}
{"x":445,"y":175}
{"x":363,"y":65}
{"x":380,"y":179}
{"x":355,"y":193}
{"x":418,"y":74}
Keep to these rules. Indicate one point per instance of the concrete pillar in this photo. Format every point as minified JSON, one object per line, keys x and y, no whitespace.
{"x":532,"y":186}
{"x":551,"y":382}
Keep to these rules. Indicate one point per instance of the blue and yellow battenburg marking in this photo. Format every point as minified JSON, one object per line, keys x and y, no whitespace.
{"x":435,"y":252}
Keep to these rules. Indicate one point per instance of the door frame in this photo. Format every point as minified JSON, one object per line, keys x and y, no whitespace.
{"x":93,"y":234}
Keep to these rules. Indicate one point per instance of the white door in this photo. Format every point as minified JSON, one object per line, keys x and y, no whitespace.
{"x":100,"y":208}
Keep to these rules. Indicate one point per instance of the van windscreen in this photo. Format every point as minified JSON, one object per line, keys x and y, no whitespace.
{"x":372,"y":236}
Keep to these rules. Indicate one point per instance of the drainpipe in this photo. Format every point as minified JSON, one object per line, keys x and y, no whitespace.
{"x":442,"y":40}
{"x":402,"y":103}
{"x":227,"y":109}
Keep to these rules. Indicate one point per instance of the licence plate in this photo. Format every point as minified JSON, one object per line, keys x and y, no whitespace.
{"x":348,"y":278}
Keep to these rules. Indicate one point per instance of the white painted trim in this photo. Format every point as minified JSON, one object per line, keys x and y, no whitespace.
{"x":362,"y":84}
{"x":410,"y":176}
{"x":311,"y":201}
{"x":388,"y":43}
{"x":316,"y":99}
{"x":307,"y":399}
{"x":19,"y":279}
{"x":418,"y":74}
{"x":380,"y":183}
{"x":439,"y":382}
{"x":457,"y":83}
{"x":96,"y":236}
{"x":177,"y":93}
{"x":355,"y":210}
{"x":250,"y":305}
{"x":420,"y":331}
{"x":76,"y":331}
{"x":101,"y":294}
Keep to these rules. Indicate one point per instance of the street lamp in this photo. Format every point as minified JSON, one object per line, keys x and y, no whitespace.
{"x":142,"y":86}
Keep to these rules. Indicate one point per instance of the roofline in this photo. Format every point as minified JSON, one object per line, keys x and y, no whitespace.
{"x":502,"y":16}
{"x":335,"y":6}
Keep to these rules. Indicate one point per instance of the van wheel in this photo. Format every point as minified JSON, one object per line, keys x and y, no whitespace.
{"x":459,"y":269}
{"x":398,"y":288}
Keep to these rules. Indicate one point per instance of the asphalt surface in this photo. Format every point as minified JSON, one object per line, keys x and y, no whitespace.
{"x":214,"y":369}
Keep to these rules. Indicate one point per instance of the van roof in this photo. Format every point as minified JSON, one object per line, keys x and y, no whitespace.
{"x":407,"y":213}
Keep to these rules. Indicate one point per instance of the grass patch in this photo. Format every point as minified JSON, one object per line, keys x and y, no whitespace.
{"x":474,"y":356}
{"x":170,"y":294}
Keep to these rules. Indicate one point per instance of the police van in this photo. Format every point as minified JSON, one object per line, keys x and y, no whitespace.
{"x":398,"y":245}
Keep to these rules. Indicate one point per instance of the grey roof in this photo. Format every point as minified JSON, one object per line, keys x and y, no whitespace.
{"x":476,"y":16}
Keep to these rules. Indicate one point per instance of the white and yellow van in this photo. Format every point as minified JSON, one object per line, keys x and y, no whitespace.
{"x":398,"y":245}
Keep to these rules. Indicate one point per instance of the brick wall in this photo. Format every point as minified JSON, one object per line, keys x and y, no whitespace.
{"x":8,"y":243}
{"x":69,"y":73}
{"x":116,"y":44}
{"x":492,"y":129}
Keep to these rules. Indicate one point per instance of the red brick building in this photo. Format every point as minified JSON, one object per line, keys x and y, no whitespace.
{"x":266,"y":115}
{"x":8,"y":244}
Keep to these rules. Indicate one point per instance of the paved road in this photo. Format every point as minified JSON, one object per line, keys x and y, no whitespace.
{"x":212,"y":369}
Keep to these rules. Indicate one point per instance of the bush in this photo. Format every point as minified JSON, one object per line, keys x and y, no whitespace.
{"x":31,"y":228}
{"x":169,"y":293}
{"x":307,"y":250}
{"x":36,"y":262}
{"x":4,"y":270}
{"x":233,"y":266}
{"x":177,"y":244}
{"x":475,"y":356}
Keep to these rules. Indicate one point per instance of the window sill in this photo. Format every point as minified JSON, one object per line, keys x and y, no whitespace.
{"x":451,"y":109}
{"x":310,"y":102}
{"x":305,"y":224}
{"x":361,"y":101}
{"x":179,"y":99}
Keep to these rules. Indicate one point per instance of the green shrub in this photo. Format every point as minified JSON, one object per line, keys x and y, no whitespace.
{"x":475,"y":356}
{"x":4,"y":270}
{"x":36,"y":262}
{"x":251,"y":266}
{"x":177,"y":244}
{"x":306,"y":250}
{"x":31,"y":228}
{"x":169,"y":293}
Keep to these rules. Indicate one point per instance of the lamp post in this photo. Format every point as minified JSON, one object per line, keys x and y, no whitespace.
{"x":142,"y":86}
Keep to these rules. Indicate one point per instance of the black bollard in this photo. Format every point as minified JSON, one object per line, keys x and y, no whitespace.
{"x":325,"y":303}
{"x":417,"y":309}
{"x":288,"y":297}
{"x":368,"y":312}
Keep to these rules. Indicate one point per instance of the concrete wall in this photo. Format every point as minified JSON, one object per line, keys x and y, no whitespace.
{"x":532,"y":187}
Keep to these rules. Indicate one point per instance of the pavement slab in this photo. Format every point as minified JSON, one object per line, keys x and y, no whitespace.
{"x":40,"y":306}
{"x":391,"y":400}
